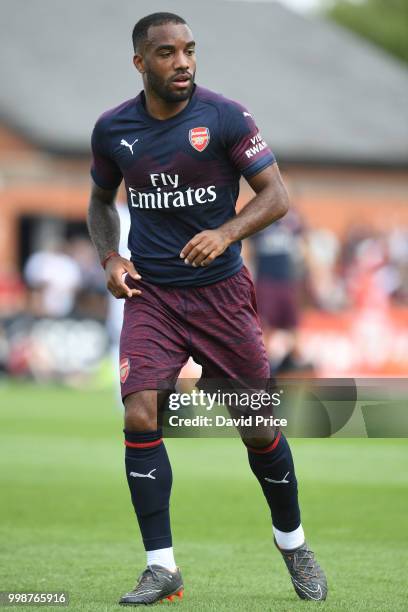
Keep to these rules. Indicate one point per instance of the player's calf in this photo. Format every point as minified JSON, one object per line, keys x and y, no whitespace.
{"x":273,"y":467}
{"x":149,"y":477}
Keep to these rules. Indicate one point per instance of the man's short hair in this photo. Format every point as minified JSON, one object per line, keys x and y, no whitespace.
{"x":139,"y":33}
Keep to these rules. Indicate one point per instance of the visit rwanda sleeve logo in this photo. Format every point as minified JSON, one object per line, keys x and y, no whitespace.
{"x":199,"y":138}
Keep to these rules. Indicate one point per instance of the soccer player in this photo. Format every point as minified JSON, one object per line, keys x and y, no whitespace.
{"x":276,"y":251}
{"x":181,"y":150}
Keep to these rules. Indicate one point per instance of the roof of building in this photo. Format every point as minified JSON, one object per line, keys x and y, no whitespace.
{"x":319,"y":93}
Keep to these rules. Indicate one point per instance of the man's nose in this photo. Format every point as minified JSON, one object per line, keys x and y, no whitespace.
{"x":181,"y":61}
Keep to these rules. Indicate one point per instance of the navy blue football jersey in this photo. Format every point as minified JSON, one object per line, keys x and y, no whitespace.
{"x":181,"y":177}
{"x":277,"y":249}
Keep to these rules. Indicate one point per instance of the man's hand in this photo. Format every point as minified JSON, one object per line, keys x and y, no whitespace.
{"x":204,"y":247}
{"x":270,"y":204}
{"x":115,"y":268}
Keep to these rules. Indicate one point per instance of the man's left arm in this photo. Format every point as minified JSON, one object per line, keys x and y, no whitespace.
{"x":270,"y":203}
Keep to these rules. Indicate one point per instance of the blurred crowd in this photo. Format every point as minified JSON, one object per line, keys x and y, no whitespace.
{"x":365,"y":268}
{"x":299,"y":269}
{"x":53,"y":323}
{"x":58,"y":322}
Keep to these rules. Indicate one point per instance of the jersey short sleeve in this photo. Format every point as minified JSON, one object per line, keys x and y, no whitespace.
{"x":104,"y":170}
{"x":247,"y":150}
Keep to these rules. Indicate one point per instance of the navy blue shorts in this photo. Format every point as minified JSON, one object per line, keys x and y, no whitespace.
{"x":278,"y":303}
{"x":217,"y":325}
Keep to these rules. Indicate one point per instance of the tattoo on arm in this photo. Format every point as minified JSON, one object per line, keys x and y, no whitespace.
{"x":103,"y":221}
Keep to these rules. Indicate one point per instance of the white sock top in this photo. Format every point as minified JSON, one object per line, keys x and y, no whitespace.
{"x":289,"y":539}
{"x":163,"y":557}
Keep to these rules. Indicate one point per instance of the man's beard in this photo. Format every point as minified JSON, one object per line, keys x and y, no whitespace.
{"x":162,"y":88}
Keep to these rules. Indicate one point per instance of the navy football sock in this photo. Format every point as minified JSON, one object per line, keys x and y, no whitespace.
{"x":273,"y":467}
{"x":149,"y":477}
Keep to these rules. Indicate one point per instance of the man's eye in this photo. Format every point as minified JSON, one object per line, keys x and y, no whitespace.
{"x":190,"y":51}
{"x":165,"y":54}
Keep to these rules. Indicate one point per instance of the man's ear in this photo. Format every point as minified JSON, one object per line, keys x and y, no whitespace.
{"x":139,"y":63}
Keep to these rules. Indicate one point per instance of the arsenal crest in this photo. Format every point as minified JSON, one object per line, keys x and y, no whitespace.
{"x":199,"y":138}
{"x":124,"y":369}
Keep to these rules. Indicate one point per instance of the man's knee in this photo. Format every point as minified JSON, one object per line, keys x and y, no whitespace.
{"x":258,"y":439}
{"x":142,"y":409}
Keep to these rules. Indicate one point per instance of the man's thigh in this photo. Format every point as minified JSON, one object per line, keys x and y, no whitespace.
{"x":227,"y":338}
{"x":153,"y":344}
{"x":228,"y":343}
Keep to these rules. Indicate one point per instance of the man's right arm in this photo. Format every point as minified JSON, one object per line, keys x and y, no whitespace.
{"x":104,"y":229}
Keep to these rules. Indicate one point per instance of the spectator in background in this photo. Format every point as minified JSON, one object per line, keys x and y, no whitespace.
{"x":277,"y":262}
{"x":325,"y":283}
{"x":374,"y":265}
{"x":56,"y":275}
{"x":369,"y":281}
{"x":397,"y":252}
{"x":82,"y":252}
{"x":91,"y":300}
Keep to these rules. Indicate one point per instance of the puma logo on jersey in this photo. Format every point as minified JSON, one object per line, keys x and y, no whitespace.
{"x":125,"y":143}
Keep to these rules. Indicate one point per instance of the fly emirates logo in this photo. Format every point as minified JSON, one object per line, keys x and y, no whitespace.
{"x":165,"y":194}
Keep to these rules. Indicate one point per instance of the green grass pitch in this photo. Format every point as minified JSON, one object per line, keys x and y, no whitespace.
{"x":67,"y":523}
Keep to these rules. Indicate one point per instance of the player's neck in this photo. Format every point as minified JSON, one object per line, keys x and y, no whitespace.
{"x":160,"y":109}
